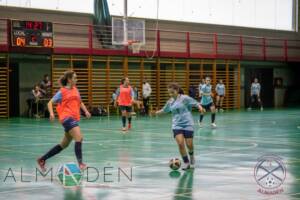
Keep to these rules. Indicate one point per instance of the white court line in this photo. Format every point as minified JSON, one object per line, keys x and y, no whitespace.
{"x":114,"y":142}
{"x":157,"y":121}
{"x":91,"y":129}
{"x":23,"y":190}
{"x":151,"y":148}
{"x":32,"y":153}
{"x":254,"y":145}
{"x":231,"y":140}
{"x":153,"y":136}
{"x":245,"y":138}
{"x":85,"y":142}
{"x":248,"y":141}
{"x":241,"y":140}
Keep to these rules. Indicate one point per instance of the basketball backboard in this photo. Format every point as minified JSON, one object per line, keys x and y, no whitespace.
{"x":135,"y":31}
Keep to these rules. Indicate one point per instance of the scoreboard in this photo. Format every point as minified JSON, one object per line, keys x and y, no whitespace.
{"x":31,"y":34}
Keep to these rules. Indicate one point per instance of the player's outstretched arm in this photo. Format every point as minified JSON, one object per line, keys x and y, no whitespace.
{"x":159,"y":112}
{"x":50,"y":109}
{"x":86,"y":112}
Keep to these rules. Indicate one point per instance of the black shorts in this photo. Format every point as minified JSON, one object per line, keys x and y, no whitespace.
{"x":207,"y":107}
{"x":186,"y":134}
{"x":254,"y":98}
{"x":126,"y":108}
{"x":69,"y":123}
{"x":220,"y":95}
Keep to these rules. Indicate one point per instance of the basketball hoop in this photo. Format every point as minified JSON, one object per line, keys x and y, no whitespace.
{"x":134,"y":46}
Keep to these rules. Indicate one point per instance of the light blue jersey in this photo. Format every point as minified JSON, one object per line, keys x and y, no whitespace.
{"x":181,"y":108}
{"x":220,"y":89}
{"x":255,"y":89}
{"x":206,"y":95}
{"x":199,"y":88}
{"x":114,"y":96}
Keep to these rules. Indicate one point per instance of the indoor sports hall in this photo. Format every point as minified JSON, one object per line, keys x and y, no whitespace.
{"x":139,"y":99}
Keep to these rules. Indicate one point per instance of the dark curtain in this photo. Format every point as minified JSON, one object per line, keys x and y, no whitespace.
{"x":102,"y":20}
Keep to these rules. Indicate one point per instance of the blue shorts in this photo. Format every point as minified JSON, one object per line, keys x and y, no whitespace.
{"x":207,"y":107}
{"x":186,"y":134}
{"x":69,"y":123}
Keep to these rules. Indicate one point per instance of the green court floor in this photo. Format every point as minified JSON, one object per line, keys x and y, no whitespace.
{"x":225,"y":158}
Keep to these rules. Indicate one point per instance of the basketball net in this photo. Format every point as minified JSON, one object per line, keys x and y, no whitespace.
{"x":134,"y":46}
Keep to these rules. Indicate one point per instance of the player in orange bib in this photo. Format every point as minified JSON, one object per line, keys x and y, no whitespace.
{"x":125,"y":98}
{"x":68,"y":102}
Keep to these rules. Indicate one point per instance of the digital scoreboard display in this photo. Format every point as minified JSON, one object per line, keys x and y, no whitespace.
{"x":31,"y":34}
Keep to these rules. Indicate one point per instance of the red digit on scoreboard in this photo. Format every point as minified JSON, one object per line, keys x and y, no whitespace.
{"x":38,"y":26}
{"x":29,"y":25}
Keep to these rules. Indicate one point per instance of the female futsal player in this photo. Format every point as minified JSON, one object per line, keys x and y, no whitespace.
{"x":68,"y":108}
{"x":200,"y":86}
{"x":182,"y":124}
{"x":220,"y":90}
{"x":255,"y":94}
{"x":125,"y":98}
{"x":207,"y":103}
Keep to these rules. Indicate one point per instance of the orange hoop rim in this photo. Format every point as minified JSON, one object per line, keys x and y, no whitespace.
{"x":130,"y":42}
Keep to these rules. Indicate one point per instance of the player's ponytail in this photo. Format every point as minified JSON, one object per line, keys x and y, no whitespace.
{"x":180,"y":91}
{"x":64,"y":79}
{"x":123,"y":80}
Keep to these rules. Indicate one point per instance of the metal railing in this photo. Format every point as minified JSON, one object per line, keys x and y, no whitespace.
{"x":96,"y":40}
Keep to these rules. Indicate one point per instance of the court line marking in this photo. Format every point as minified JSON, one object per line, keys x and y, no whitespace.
{"x":135,"y":131}
{"x":88,"y":151}
{"x":157,"y":121}
{"x":113,"y":130}
{"x":22,"y":190}
{"x":85,"y":128}
{"x":253,"y":145}
{"x":241,"y":139}
{"x":195,"y":116}
{"x":102,"y":150}
{"x":160,"y":137}
{"x":222,"y":139}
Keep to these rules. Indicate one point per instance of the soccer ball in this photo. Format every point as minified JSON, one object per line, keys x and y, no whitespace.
{"x":174,"y":164}
{"x":270,"y":182}
{"x":69,"y":175}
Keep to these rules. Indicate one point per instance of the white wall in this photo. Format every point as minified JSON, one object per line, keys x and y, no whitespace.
{"x":270,"y":14}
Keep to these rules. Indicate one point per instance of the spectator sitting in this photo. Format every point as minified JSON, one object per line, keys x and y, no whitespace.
{"x":136,"y":93}
{"x":45,"y":86}
{"x":98,"y":111}
{"x":114,"y":97}
{"x":33,"y":101}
